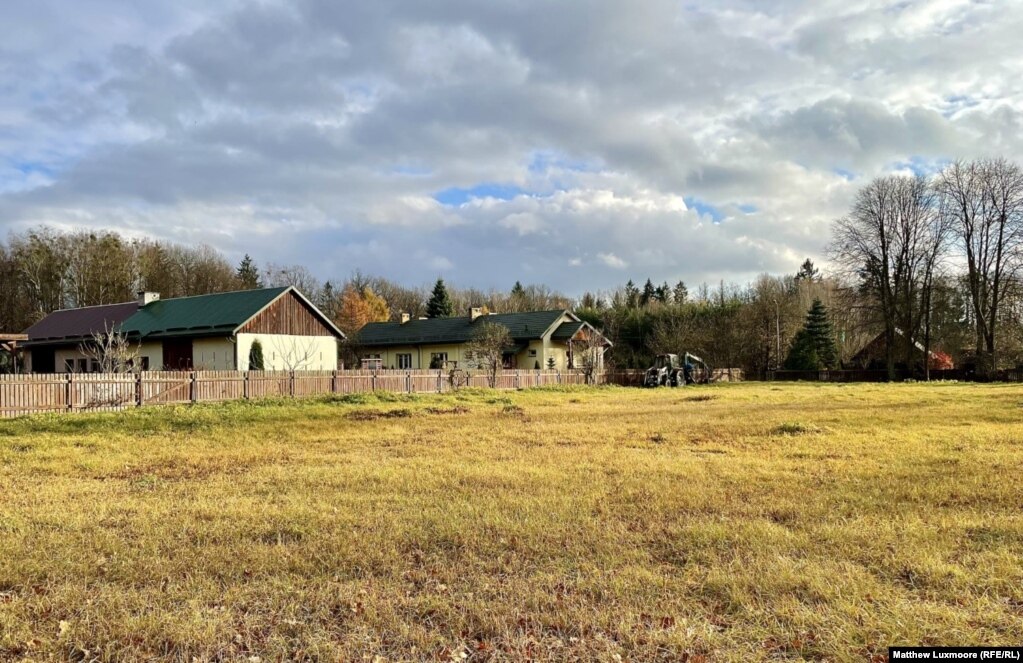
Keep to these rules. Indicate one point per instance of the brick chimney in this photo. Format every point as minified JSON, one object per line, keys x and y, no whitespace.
{"x":146,"y":297}
{"x":405,"y":317}
{"x":475,"y":313}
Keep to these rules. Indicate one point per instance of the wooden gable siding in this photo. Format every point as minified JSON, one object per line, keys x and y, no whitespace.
{"x":287,"y":315}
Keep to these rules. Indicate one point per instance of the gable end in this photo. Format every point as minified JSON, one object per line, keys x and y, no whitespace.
{"x":289,"y":314}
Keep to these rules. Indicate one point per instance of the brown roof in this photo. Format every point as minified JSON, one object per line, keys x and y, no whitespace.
{"x":80,"y":323}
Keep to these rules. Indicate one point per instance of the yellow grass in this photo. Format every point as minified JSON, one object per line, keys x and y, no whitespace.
{"x":732,"y":523}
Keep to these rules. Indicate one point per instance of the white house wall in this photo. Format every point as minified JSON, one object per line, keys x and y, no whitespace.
{"x":282,"y":352}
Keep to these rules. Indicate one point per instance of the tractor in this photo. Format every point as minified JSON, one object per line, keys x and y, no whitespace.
{"x":669,"y":371}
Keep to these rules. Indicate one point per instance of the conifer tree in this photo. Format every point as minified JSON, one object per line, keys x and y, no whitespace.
{"x":440,"y":305}
{"x":256,"y":361}
{"x":649,"y":293}
{"x":818,"y":325}
{"x":247,"y":274}
{"x":681,"y":293}
{"x":813,"y":348}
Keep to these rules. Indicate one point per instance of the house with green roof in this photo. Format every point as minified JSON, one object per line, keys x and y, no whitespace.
{"x":537,"y":338}
{"x":205,"y":332}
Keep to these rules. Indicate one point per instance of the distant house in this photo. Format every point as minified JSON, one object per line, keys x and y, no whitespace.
{"x":207,"y":332}
{"x":537,"y":336}
{"x":873,"y":355}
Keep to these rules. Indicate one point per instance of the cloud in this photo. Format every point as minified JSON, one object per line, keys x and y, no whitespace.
{"x":407,"y":139}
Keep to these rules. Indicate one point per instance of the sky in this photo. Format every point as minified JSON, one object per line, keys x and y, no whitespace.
{"x":577,"y":144}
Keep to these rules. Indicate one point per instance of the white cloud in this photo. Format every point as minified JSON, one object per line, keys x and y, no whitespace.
{"x":612,"y":261}
{"x":323,"y":132}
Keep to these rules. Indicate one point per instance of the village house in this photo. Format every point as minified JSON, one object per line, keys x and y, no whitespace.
{"x":206,"y":332}
{"x":537,"y":338}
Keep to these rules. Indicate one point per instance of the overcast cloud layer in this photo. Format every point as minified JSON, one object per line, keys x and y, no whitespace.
{"x":573,"y":143}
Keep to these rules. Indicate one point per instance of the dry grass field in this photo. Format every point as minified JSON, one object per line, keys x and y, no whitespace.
{"x":727,"y":523}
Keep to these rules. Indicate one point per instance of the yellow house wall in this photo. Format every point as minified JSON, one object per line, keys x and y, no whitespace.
{"x":282,"y":352}
{"x":544,"y":348}
{"x":153,"y":350}
{"x":213,"y":354}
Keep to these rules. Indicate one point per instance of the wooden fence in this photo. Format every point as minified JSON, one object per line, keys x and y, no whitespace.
{"x":103,"y":392}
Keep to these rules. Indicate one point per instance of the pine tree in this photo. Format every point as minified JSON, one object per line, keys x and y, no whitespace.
{"x":681,"y":293}
{"x":802,"y":353}
{"x":256,"y":362}
{"x":819,"y":327}
{"x":648,"y":293}
{"x":631,"y":294}
{"x":439,"y":305}
{"x":813,"y":348}
{"x":807,"y":271}
{"x":248,"y":275}
{"x":662,"y":293}
{"x":517,"y":291}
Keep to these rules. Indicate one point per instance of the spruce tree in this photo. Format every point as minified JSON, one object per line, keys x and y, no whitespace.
{"x":803,"y":353}
{"x":439,"y":305}
{"x":819,"y":327}
{"x":517,"y":290}
{"x":681,"y":293}
{"x":813,"y":348}
{"x":247,"y":274}
{"x":649,"y":293}
{"x":631,"y":294}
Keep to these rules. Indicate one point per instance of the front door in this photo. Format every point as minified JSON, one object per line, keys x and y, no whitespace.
{"x":177,"y":354}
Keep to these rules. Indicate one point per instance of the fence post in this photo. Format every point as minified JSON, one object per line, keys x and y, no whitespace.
{"x":245,"y":385}
{"x":291,"y":383}
{"x":69,"y":393}
{"x":516,"y":378}
{"x":193,"y":391}
{"x":408,"y":382}
{"x":373,"y":381}
{"x":559,"y":376}
{"x":138,"y":389}
{"x":333,"y":382}
{"x":440,"y":382}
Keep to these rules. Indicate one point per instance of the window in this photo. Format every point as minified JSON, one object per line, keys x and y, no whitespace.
{"x":69,"y":365}
{"x":94,"y":367}
{"x":438,"y":359}
{"x":83,"y":366}
{"x":532,"y":352}
{"x":145,"y":363}
{"x":405,"y":361}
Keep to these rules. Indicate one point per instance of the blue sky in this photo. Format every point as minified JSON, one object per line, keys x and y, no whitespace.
{"x":470,"y":140}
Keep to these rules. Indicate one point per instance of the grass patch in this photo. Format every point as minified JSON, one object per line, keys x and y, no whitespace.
{"x":798,"y":428}
{"x":608,"y":523}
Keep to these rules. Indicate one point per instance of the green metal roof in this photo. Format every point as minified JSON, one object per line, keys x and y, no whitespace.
{"x":189,"y":316}
{"x":521,"y":326}
{"x":567,"y":330}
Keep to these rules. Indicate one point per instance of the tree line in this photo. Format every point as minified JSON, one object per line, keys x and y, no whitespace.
{"x":920,"y":268}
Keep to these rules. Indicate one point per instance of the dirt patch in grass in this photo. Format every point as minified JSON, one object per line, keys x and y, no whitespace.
{"x":797,"y":428}
{"x":699,"y":398}
{"x":373,"y":415}
{"x":458,"y":409}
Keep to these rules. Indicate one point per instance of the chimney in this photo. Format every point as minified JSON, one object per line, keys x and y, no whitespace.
{"x":475,"y":313}
{"x":405,"y":317}
{"x":146,"y":297}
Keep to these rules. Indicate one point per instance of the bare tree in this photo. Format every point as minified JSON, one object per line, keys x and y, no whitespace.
{"x":588,"y":347}
{"x":891,"y":241}
{"x":983,"y":202}
{"x":486,"y":348}
{"x":111,"y":351}
{"x":295,"y":354}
